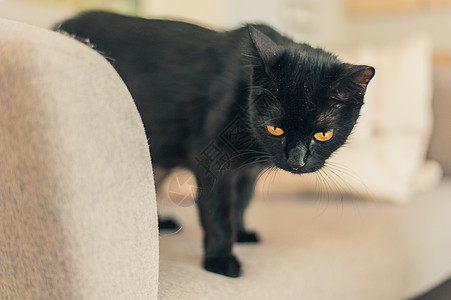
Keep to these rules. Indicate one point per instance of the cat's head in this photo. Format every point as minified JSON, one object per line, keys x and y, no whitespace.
{"x":304,"y":102}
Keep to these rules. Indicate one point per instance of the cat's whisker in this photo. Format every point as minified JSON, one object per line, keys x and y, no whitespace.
{"x":260,"y":161}
{"x":343,"y":169}
{"x":247,"y":152}
{"x":266,"y":180}
{"x":337,"y":168}
{"x":348,"y":172}
{"x":249,"y":66}
{"x":258,"y":155}
{"x":275,"y":173}
{"x":317,"y":188}
{"x":353,"y":190}
{"x":249,"y":55}
{"x":334,"y":186}
{"x":271,"y":177}
{"x":250,"y":164}
{"x":334,"y":177}
{"x":322,"y":183}
{"x":320,"y":186}
{"x":326,"y":189}
{"x":261,"y":177}
{"x":253,"y":152}
{"x":338,"y":187}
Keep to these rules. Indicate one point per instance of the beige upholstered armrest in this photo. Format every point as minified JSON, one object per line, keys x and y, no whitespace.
{"x":77,"y":199}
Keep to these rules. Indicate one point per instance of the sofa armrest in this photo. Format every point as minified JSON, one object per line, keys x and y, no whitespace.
{"x":77,"y":199}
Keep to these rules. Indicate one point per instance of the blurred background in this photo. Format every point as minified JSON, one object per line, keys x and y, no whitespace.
{"x":323,"y":22}
{"x":357,"y":30}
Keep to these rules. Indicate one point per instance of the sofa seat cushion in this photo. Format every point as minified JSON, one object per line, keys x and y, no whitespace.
{"x":318,"y":248}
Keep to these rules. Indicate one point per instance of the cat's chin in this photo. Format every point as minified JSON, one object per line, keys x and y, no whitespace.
{"x":303,"y":170}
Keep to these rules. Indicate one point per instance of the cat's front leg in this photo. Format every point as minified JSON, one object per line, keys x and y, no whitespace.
{"x":245,"y":184}
{"x":216,"y":209}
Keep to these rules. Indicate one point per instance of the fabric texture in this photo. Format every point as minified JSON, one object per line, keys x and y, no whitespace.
{"x":318,"y":248}
{"x":385,"y":157}
{"x":77,"y":199}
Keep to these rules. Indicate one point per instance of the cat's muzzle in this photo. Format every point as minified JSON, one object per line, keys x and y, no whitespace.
{"x":297,"y":157}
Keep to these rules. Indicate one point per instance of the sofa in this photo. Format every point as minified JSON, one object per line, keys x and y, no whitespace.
{"x":78,"y":208}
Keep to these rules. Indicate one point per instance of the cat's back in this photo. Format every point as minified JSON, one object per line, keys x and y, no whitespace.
{"x":94,"y":23}
{"x":159,"y":60}
{"x":120,"y":36}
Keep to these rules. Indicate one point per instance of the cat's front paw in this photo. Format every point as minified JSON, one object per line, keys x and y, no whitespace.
{"x":247,"y":237}
{"x":226,"y":265}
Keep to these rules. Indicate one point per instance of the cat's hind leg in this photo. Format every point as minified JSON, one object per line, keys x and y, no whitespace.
{"x":164,"y":223}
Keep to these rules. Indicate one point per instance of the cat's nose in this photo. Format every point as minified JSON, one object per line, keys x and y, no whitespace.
{"x":297,"y":156}
{"x":296,"y":165}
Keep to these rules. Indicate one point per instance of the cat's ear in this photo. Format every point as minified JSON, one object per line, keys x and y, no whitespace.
{"x":353,"y":82}
{"x":268,"y":51}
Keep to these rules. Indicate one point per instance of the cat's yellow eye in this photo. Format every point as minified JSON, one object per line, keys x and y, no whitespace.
{"x":276,"y":131}
{"x":324,"y":136}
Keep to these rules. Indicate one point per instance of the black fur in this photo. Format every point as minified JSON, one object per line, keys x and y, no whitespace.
{"x":206,"y":97}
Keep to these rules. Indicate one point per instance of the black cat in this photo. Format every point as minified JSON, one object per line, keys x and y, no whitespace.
{"x":226,"y":105}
